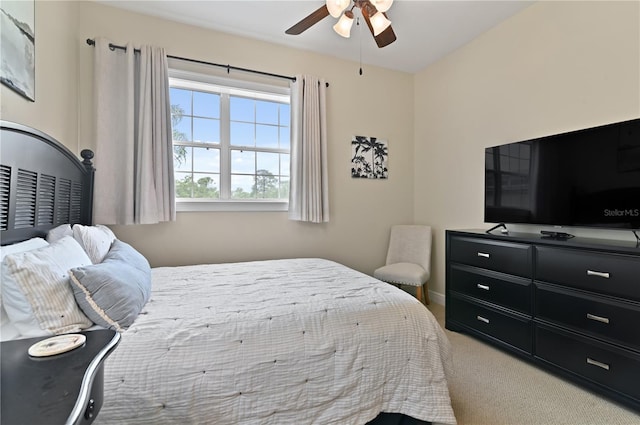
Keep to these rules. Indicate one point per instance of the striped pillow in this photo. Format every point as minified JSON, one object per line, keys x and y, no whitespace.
{"x":42,"y":276}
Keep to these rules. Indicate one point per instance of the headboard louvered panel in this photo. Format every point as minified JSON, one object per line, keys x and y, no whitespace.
{"x":64,"y":198}
{"x":75,"y":203}
{"x":25,"y":213}
{"x":42,"y":184}
{"x":5,"y":184}
{"x":46,"y":200}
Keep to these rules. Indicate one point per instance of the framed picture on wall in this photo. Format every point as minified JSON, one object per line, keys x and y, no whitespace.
{"x":18,"y":42}
{"x":369,"y":157}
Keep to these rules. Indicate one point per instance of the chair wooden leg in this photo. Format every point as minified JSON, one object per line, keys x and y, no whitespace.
{"x":419,"y":294}
{"x":425,"y":291}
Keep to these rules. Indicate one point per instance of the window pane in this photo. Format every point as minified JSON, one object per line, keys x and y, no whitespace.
{"x":285,"y":137}
{"x":285,"y":165}
{"x":206,"y":185}
{"x":266,"y":136}
{"x":242,"y":109}
{"x":180,"y":101}
{"x":266,"y":112}
{"x":284,"y":188}
{"x":267,"y":185}
{"x":242,"y":134}
{"x":181,"y":127}
{"x":206,"y":159}
{"x":242,"y":186}
{"x":243,"y":162}
{"x":285,"y":114}
{"x":268,"y":162}
{"x":206,"y":104}
{"x":181,"y":158}
{"x":206,"y":130}
{"x":184,"y":185}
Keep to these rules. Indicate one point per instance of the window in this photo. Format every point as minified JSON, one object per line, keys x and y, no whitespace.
{"x":231,"y":143}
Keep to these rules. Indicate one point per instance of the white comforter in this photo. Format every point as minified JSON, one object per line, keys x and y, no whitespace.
{"x":302,"y":341}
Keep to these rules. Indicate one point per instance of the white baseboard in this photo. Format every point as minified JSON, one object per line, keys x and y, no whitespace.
{"x":436,"y":297}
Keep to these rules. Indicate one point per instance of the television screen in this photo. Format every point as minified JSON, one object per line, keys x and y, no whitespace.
{"x":585,"y":178}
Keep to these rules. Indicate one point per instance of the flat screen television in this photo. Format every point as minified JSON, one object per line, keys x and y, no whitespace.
{"x":584,"y":178}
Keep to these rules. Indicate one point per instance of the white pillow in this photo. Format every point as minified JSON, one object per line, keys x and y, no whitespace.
{"x":28,"y":245}
{"x":7,"y":330}
{"x":95,"y":240}
{"x":59,"y":232}
{"x":41,"y":276}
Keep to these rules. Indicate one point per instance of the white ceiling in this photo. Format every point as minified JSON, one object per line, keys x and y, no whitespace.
{"x":426,"y":30}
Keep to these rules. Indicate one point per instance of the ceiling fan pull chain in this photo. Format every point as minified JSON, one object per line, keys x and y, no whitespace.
{"x":360,"y":37}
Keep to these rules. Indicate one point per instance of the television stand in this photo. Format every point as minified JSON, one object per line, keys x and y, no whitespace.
{"x":569,"y":306}
{"x":548,"y":234}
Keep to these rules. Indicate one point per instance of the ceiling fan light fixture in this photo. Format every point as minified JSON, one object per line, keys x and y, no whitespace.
{"x":382,"y":5}
{"x":379,"y":23}
{"x":343,"y":26}
{"x":336,"y":7}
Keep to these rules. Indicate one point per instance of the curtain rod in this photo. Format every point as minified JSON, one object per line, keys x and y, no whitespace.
{"x":92,"y":42}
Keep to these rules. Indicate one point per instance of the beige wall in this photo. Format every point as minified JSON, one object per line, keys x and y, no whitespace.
{"x":555,"y":67}
{"x":55,"y":110}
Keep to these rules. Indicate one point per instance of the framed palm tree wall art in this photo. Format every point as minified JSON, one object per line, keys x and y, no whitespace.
{"x":369,"y":156}
{"x":17,"y":42}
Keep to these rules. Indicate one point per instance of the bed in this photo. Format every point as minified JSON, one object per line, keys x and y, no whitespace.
{"x":292,"y":341}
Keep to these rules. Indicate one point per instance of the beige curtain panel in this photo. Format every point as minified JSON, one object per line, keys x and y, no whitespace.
{"x":309,"y":192}
{"x":134,"y":152}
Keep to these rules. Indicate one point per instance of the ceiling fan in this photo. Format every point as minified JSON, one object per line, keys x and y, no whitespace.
{"x":373,"y":12}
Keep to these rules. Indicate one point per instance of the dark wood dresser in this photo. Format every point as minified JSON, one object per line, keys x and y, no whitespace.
{"x":571,"y":306}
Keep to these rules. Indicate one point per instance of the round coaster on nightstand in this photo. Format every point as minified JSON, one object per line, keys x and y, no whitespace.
{"x":56,"y":345}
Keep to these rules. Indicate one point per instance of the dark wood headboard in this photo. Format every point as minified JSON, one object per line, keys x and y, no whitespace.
{"x":42,"y":184}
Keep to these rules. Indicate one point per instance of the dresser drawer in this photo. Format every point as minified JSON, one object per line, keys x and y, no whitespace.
{"x":511,"y":258}
{"x":615,"y":321}
{"x":508,"y":291}
{"x":612,"y":274}
{"x":606,"y":365}
{"x":512,"y":330}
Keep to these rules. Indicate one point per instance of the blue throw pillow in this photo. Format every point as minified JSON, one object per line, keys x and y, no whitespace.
{"x":113,"y":293}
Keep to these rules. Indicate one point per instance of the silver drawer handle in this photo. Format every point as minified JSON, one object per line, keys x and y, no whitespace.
{"x":485,"y":287}
{"x":482,"y":319}
{"x":599,"y":274}
{"x":597,"y":363}
{"x":597,"y":318}
{"x":483,"y":254}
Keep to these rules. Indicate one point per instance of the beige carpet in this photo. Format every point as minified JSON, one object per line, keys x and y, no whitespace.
{"x":492,"y":387}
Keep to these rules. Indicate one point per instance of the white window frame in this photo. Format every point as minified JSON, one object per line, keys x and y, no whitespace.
{"x":226,"y":86}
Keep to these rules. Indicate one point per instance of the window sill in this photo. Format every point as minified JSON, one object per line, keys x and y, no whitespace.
{"x":249,"y":206}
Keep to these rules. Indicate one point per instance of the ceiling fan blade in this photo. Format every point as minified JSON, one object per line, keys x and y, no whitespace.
{"x":309,"y":21}
{"x":386,"y":37}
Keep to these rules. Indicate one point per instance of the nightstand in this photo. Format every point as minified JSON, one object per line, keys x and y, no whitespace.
{"x":65,"y":388}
